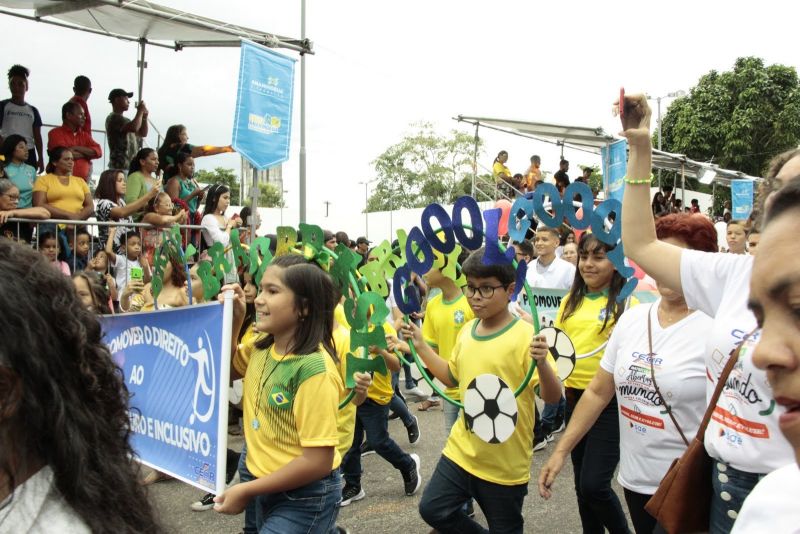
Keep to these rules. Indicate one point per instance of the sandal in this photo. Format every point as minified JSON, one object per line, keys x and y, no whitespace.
{"x":155,"y":476}
{"x":427,"y":404}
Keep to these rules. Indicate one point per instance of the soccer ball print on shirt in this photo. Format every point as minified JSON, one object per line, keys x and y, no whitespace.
{"x":490,"y":408}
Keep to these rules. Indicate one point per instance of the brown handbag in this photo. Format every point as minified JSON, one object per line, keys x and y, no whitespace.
{"x":682,"y":502}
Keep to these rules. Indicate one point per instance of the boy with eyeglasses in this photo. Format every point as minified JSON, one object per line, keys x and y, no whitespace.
{"x":495,"y":475}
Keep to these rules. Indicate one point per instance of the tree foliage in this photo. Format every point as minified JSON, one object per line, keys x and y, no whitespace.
{"x":737,"y":119}
{"x":423,"y":167}
{"x":269,"y":196}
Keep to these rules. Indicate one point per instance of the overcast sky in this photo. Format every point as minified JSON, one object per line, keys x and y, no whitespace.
{"x":381,"y":65}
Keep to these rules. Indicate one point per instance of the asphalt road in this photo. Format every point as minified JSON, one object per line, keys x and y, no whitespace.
{"x":385,"y":509}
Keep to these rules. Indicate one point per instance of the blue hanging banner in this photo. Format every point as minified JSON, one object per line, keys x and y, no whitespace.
{"x":262,"y":126}
{"x":176,"y":367}
{"x":742,"y":198}
{"x":615,"y":161}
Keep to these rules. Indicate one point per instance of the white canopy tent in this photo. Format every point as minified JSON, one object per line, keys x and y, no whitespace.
{"x":592,"y":140}
{"x":147,"y":23}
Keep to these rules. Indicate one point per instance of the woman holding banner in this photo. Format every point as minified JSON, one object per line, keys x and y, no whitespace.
{"x":86,"y":481}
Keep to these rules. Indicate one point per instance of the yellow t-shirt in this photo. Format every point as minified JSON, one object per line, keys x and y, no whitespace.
{"x":290,"y":402}
{"x":498,"y":169}
{"x":505,"y":354}
{"x":346,"y":420}
{"x":340,"y":317}
{"x":583,"y":328}
{"x":443,"y":322}
{"x":381,"y":390}
{"x":64,"y":197}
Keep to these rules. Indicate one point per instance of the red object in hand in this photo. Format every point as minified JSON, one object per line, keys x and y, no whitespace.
{"x":621,"y":101}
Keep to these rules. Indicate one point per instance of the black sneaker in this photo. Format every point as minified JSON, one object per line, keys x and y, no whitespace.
{"x":341,"y":530}
{"x":539,"y":443}
{"x":413,"y":431}
{"x":206,"y":503}
{"x":351,"y":494}
{"x":470,"y":509}
{"x":411,"y":478}
{"x":366,"y":449}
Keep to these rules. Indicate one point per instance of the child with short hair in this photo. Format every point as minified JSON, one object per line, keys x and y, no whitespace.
{"x":131,"y":259}
{"x":48,"y":245}
{"x":79,"y":242}
{"x":495,"y":475}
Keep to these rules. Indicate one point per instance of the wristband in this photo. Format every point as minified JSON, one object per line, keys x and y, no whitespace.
{"x":636,"y":182}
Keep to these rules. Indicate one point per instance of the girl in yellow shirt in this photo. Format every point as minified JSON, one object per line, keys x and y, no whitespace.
{"x":588,"y":315}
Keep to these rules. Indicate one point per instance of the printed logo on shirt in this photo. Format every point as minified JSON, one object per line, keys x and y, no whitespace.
{"x":601,"y":317}
{"x":639,"y":421}
{"x":730,"y":437}
{"x":738,"y":424}
{"x":279,"y":398}
{"x":458,"y":317}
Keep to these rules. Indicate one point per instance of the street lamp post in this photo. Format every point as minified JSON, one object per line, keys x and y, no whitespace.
{"x":675,"y":94}
{"x":366,"y":211}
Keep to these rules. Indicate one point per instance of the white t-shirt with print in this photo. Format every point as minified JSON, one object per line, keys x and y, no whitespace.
{"x":772,"y":506}
{"x":558,"y":275}
{"x":743,"y":430}
{"x":122,"y":270}
{"x":649,"y":441}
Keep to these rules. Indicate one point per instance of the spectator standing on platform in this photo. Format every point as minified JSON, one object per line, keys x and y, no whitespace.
{"x":60,"y":192}
{"x":534,"y":174}
{"x":176,"y":141}
{"x":561,"y":176}
{"x":124,"y":135}
{"x":83,"y":90}
{"x":15,"y":152}
{"x":19,"y":117}
{"x":72,"y":136}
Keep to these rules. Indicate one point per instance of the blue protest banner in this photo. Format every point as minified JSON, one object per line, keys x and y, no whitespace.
{"x":742,"y":198}
{"x":262,"y":125}
{"x":615,"y":159}
{"x":176,"y":364}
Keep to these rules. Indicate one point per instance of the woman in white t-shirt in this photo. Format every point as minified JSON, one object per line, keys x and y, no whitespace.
{"x":742,"y":437}
{"x":217,"y":227}
{"x":649,"y":438}
{"x":774,"y":290}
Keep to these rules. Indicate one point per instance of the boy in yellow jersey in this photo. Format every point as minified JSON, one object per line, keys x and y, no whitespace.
{"x":371,"y":419}
{"x":495,"y":475}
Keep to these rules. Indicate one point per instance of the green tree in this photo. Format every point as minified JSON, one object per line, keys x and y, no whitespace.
{"x":737,"y":119}
{"x":269,"y":196}
{"x":220,"y":176}
{"x":423,"y":167}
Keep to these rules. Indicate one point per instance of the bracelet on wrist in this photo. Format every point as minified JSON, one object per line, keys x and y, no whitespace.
{"x":636,"y":182}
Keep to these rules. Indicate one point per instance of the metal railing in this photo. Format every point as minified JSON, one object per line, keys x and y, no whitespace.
{"x":66,"y":226}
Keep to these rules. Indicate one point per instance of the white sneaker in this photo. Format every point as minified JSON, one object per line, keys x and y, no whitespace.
{"x":540,"y":445}
{"x":560,"y":429}
{"x":414,"y":394}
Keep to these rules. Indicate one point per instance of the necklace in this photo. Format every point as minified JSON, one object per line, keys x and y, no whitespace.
{"x":668,"y":319}
{"x":262,"y":383}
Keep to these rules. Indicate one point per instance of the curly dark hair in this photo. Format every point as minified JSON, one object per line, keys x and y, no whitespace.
{"x":64,"y":386}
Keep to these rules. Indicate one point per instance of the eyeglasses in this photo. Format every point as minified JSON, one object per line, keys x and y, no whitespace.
{"x":486,"y":292}
{"x":11,"y":197}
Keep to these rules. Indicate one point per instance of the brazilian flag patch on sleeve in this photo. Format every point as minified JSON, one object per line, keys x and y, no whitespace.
{"x":279,"y":398}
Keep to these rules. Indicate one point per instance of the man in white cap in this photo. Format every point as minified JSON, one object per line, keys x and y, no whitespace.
{"x":124,"y":135}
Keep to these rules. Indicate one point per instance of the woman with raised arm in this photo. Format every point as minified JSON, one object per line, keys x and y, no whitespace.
{"x":742,"y":438}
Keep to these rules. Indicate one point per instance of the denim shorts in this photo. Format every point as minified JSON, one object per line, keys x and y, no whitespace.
{"x":312,"y":508}
{"x":730,"y":488}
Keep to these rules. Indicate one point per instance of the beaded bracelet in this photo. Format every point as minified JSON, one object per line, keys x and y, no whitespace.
{"x":635,"y":182}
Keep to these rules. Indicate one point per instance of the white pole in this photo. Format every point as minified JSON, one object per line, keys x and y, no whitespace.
{"x":303,"y":115}
{"x":224,"y":378}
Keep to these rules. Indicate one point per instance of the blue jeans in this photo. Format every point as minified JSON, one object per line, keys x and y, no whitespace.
{"x":250,"y":509}
{"x":594,"y":460}
{"x":371,"y":420}
{"x":450,"y":416}
{"x":397,"y":404}
{"x":553,"y":415}
{"x":312,"y":508}
{"x":730,"y":488}
{"x":450,"y":487}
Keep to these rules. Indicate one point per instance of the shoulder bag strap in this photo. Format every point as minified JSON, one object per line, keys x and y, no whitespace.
{"x":653,"y":378}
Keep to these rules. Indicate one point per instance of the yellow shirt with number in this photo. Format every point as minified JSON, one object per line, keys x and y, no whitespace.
{"x":290,"y":402}
{"x":505,"y":354}
{"x":346,"y":421}
{"x":583,"y":328}
{"x":443,"y":322}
